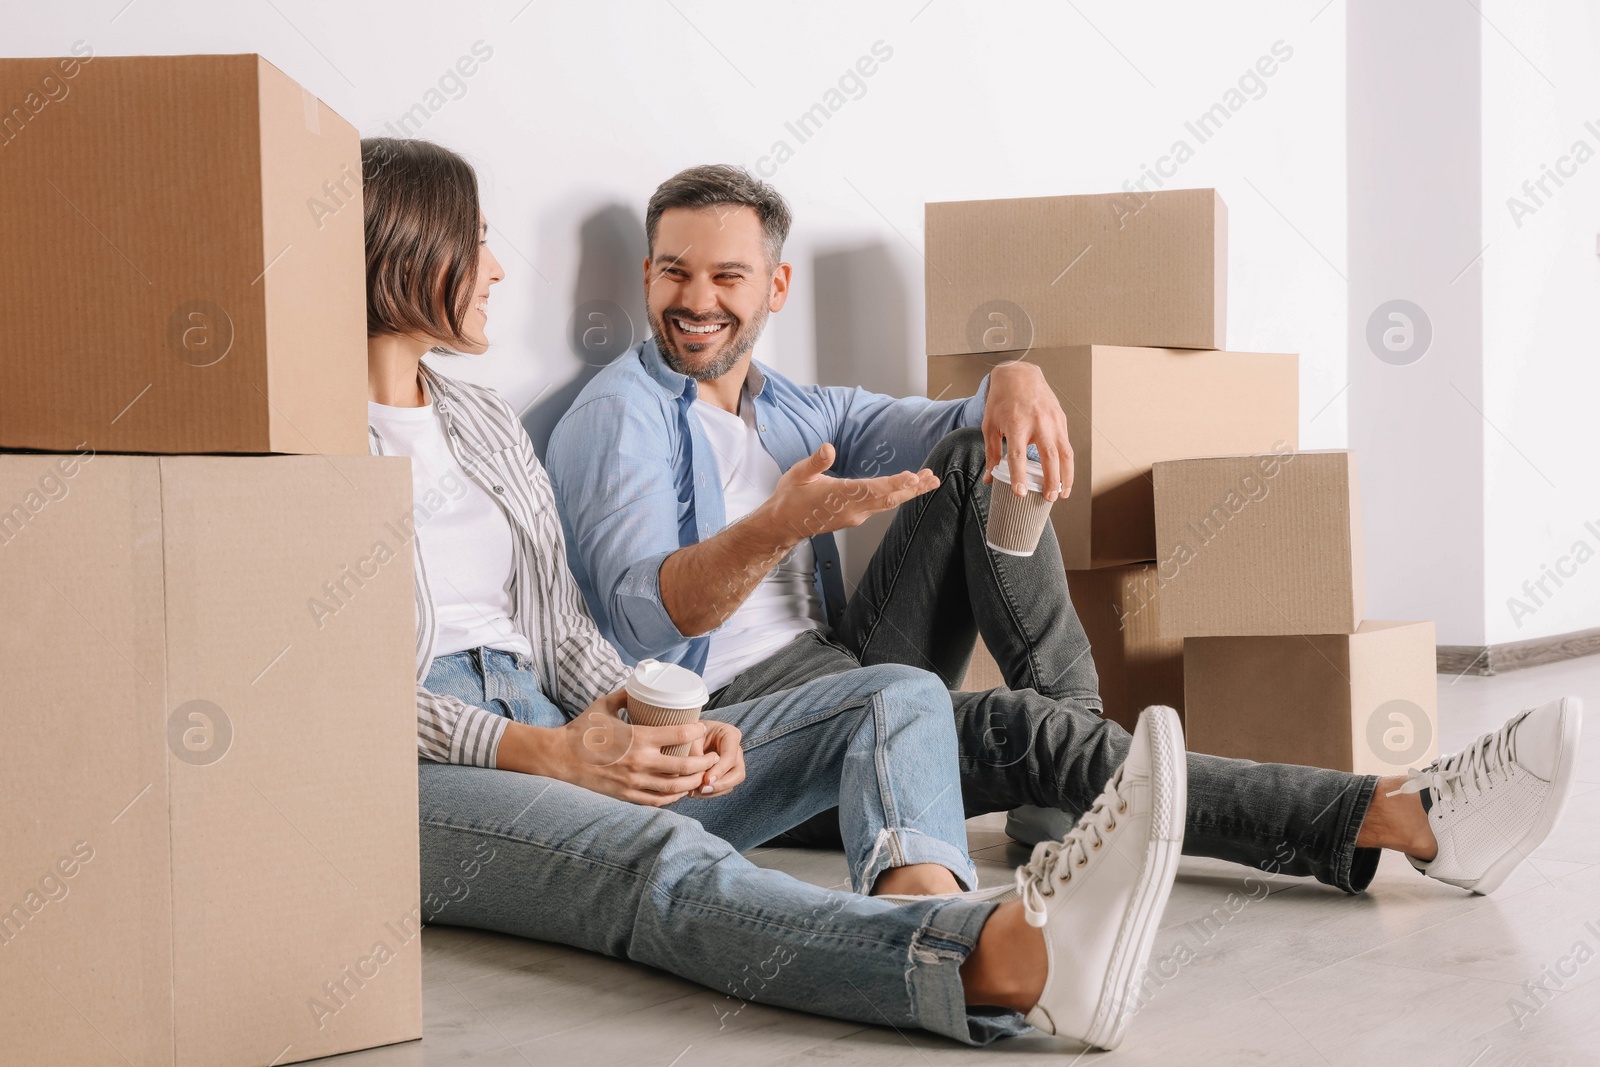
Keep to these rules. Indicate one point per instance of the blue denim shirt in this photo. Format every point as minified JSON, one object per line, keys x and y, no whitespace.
{"x":636,"y":479}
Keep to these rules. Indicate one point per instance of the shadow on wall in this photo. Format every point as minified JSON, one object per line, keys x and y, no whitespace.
{"x":862,"y":339}
{"x":606,"y":313}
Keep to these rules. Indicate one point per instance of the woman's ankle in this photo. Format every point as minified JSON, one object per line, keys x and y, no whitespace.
{"x":1008,"y":967}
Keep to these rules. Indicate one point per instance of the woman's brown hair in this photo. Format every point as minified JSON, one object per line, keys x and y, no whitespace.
{"x":422,"y":226}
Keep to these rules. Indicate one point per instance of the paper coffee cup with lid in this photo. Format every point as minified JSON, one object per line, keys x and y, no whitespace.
{"x":665,"y":694}
{"x":1016,"y":522}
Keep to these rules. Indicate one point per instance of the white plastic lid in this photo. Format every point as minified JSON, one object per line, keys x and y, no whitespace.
{"x":1002,"y":473}
{"x":667,"y":685}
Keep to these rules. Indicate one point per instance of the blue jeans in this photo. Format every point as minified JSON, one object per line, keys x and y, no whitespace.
{"x":876,"y":742}
{"x":545,"y":859}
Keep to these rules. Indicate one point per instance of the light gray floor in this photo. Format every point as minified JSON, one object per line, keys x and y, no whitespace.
{"x":1413,"y":972}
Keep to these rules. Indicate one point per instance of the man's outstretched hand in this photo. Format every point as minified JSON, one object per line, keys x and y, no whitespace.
{"x":808,"y":502}
{"x":702,"y":585}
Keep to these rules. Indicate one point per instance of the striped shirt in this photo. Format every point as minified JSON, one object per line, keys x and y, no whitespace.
{"x":576,"y":665}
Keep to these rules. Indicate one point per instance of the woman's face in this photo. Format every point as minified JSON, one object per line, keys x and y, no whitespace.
{"x":474,"y":326}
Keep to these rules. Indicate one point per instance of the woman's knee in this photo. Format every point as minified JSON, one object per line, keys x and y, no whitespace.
{"x":924,"y":689}
{"x":909,"y":685}
{"x":923,"y":709}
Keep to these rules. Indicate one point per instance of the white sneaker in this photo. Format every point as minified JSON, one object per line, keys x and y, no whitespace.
{"x":1492,"y":804}
{"x":1099,"y":892}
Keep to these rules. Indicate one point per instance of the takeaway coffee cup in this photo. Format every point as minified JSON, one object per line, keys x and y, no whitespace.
{"x":1015,"y":523}
{"x":665,"y":694}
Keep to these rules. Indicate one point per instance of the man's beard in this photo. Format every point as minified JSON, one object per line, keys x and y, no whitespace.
{"x":742,"y":338}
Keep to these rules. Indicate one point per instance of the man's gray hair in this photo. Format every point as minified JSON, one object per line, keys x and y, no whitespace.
{"x":717,"y":184}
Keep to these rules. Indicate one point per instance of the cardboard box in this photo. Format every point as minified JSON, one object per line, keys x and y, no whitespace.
{"x":983,"y":673}
{"x":1364,"y":702}
{"x":1121,"y":613}
{"x":210,"y":786}
{"x":1047,"y":271}
{"x":183,"y":260}
{"x":1259,"y":545}
{"x":1128,"y":408}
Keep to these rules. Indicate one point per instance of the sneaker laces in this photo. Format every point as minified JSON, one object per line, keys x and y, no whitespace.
{"x":1473,"y":769}
{"x":1053,"y":862}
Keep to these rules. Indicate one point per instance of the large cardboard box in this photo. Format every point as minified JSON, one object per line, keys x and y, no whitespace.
{"x":1128,"y":408}
{"x":1041,"y":272}
{"x":1259,"y":545}
{"x":210,"y":795}
{"x":1120,"y":608}
{"x":182,"y":259}
{"x":1365,"y":702}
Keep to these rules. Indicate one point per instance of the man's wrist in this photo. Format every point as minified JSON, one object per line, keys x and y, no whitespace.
{"x":769,"y":536}
{"x":1016,"y":366}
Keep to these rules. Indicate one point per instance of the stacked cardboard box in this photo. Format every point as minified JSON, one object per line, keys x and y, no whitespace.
{"x":1260,"y":565}
{"x":1126,"y":409}
{"x":1122,"y":304}
{"x":188,"y":274}
{"x":1121,"y":301}
{"x":211,"y":843}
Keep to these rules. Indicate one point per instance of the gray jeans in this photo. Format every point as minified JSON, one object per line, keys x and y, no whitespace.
{"x":933,"y":586}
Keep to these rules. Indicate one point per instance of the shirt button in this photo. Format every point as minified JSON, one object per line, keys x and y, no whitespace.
{"x":827,"y":565}
{"x":499,"y":489}
{"x":763,"y":427}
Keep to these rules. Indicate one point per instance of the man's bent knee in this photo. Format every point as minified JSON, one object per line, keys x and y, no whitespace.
{"x":958,"y":450}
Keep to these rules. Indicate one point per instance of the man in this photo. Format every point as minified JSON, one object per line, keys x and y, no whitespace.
{"x":700,"y":492}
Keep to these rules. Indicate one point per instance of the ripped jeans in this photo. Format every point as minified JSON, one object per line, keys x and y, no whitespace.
{"x":540,"y":858}
{"x":878,"y":742}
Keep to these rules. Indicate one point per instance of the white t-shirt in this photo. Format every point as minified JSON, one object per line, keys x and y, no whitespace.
{"x":785,"y":604}
{"x":464,"y":537}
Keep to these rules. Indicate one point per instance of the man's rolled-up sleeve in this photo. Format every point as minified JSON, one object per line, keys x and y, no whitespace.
{"x":612,"y":469}
{"x":877,"y":434}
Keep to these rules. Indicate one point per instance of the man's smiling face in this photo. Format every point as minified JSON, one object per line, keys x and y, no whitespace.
{"x":709,"y":286}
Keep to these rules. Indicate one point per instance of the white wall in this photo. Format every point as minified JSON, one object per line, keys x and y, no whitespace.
{"x":1541,"y":330}
{"x":1478,"y":458}
{"x":1415,"y":210}
{"x":583,"y":107}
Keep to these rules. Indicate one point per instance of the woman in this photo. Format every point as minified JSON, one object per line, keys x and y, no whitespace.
{"x":546,"y":815}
